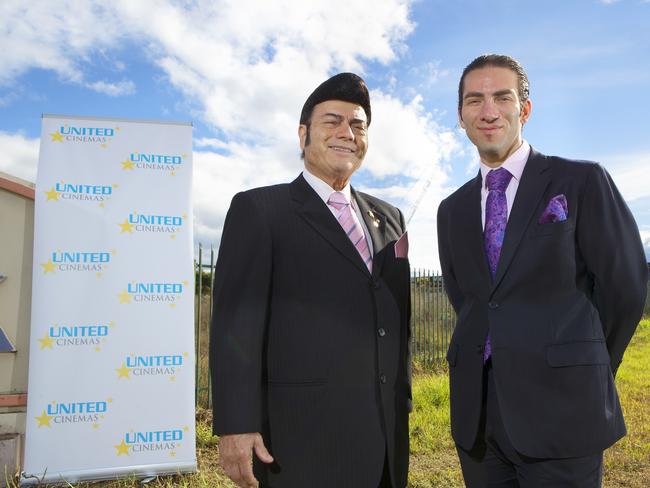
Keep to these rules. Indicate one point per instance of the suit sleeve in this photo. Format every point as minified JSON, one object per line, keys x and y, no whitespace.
{"x":444,"y":251}
{"x":609,"y":241}
{"x":409,"y":332}
{"x":241,"y":295}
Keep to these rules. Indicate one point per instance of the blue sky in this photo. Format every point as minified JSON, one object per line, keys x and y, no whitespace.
{"x":240,"y":71}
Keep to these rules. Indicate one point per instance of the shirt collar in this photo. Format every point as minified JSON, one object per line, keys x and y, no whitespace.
{"x":515,"y":163}
{"x":323,"y":190}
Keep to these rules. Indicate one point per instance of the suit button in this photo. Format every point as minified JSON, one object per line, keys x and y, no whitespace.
{"x":381,"y":332}
{"x":493,"y":305}
{"x":375,"y":284}
{"x":382,"y":378}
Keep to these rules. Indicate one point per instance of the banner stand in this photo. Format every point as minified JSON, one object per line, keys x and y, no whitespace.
{"x":111,"y":367}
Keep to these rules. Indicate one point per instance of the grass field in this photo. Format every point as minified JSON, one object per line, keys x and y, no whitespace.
{"x":433,"y":459}
{"x":627,"y":464}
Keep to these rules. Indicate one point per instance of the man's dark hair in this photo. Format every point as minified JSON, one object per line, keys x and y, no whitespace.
{"x":499,"y":61}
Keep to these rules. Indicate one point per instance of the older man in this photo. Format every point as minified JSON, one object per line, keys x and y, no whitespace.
{"x":543,"y":263}
{"x":309,"y":343}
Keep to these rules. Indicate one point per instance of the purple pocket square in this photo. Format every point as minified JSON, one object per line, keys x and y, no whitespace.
{"x":556,"y":210}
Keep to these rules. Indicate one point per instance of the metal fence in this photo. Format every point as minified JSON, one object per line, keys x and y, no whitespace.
{"x":432,"y":320}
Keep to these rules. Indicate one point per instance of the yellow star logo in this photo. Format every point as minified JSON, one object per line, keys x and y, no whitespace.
{"x":111,"y":324}
{"x":172,"y":378}
{"x":173,"y":173}
{"x":56,"y":136}
{"x":123,"y":372}
{"x":52,"y":195}
{"x":99,"y":274}
{"x":115,"y":186}
{"x":172,"y":305}
{"x":44,"y":420}
{"x":126,"y":227}
{"x":127,"y":164}
{"x":97,"y":348}
{"x":101,"y":205}
{"x":46,"y":341}
{"x":185,"y":354}
{"x":172,"y":453}
{"x":49,"y":267}
{"x":186,"y":428}
{"x":124,"y":297}
{"x":109,"y":400}
{"x":172,"y":236}
{"x":95,"y":426}
{"x":122,"y":448}
{"x":103,"y":146}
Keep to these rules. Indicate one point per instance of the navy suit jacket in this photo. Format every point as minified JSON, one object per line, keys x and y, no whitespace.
{"x":561,"y":310}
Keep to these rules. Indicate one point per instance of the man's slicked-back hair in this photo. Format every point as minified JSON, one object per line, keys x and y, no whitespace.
{"x":498,"y":61}
{"x":347,"y":87}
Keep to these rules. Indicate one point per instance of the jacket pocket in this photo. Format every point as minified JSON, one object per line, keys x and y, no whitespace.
{"x":552,"y":228}
{"x":580,"y":353}
{"x":297,"y":383}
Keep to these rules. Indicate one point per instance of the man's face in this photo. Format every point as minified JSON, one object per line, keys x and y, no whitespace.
{"x":337,"y":141}
{"x":492,"y":113}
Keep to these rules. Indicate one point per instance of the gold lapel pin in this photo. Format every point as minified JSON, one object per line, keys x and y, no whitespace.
{"x":375,"y":220}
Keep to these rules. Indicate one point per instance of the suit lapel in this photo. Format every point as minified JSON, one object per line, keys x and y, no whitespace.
{"x":471,"y":227}
{"x":375,"y":222}
{"x":534,"y":181}
{"x":315,"y":212}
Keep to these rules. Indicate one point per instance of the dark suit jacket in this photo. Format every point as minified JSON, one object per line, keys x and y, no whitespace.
{"x":561,"y":310}
{"x":307,"y":347}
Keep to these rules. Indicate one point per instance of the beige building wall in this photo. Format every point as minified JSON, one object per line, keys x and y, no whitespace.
{"x":16,"y":250}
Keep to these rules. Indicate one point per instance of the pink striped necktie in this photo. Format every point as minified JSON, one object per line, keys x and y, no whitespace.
{"x":351,"y":225}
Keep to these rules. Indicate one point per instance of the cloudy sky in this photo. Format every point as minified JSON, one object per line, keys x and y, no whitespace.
{"x":240,"y":70}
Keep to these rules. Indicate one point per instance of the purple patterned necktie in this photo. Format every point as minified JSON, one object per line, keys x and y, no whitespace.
{"x":351,"y":226}
{"x":496,"y":218}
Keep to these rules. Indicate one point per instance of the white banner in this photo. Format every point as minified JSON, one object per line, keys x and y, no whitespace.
{"x":111,"y":367}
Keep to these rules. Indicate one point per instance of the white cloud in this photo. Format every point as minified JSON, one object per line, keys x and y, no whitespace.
{"x":19,"y":155}
{"x":429,"y":73}
{"x":55,"y":36}
{"x":630,"y":174}
{"x":645,"y":239}
{"x":124,"y":87}
{"x":246,"y":67}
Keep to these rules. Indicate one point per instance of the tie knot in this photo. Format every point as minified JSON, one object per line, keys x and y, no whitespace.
{"x":338,"y":200}
{"x":498,"y":179}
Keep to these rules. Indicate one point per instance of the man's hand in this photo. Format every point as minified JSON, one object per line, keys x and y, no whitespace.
{"x":235,"y":452}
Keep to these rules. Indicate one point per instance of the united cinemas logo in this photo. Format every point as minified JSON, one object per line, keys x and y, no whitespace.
{"x":166,"y":292}
{"x":77,"y":134}
{"x":166,"y":163}
{"x":151,"y":365}
{"x":152,"y":223}
{"x":77,"y":261}
{"x":91,"y":335}
{"x":62,"y":413}
{"x":135,"y":442}
{"x":80,"y":192}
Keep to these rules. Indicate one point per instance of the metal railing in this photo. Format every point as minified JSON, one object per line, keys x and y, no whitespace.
{"x":432,"y":320}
